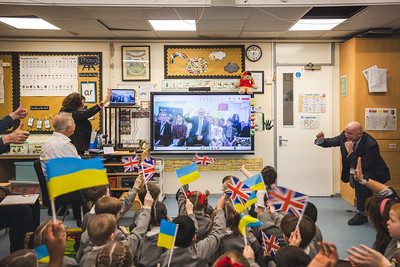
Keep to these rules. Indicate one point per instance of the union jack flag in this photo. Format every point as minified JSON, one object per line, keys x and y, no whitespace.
{"x":148,"y":168}
{"x":238,"y":191}
{"x":270,"y":244}
{"x":130,"y":163}
{"x":287,"y":200}
{"x":203,"y":160}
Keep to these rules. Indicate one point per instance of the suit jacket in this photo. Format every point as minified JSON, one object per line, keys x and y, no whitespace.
{"x":166,"y":138}
{"x":195,"y":126}
{"x":83,"y":127}
{"x":373,"y":165}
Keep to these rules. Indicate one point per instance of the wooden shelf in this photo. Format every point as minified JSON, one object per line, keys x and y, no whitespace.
{"x":120,"y":189}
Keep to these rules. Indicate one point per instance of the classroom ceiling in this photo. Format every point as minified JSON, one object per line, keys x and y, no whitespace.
{"x":215,"y":22}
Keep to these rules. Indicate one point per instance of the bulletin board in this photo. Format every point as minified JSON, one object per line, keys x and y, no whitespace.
{"x":211,"y":61}
{"x":7,"y":107}
{"x":40,"y":81}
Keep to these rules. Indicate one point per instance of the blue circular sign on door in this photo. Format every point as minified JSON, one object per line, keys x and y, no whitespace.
{"x":298,"y":74}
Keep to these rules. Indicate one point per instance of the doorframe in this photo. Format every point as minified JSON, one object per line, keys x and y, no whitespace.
{"x":335,"y":121}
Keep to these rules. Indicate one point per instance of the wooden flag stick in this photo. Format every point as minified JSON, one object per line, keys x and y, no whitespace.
{"x":244,"y":236}
{"x":173,"y":244}
{"x":53,"y":210}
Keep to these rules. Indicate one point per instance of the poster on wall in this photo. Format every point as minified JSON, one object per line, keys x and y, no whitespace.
{"x":309,"y":122}
{"x":135,"y":63}
{"x":381,"y":119}
{"x":48,"y":76}
{"x":211,"y":61}
{"x":312,"y":103}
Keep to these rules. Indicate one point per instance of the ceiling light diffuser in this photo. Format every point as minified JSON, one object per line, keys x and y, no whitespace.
{"x":316,"y":24}
{"x":28,"y":23}
{"x":173,"y":25}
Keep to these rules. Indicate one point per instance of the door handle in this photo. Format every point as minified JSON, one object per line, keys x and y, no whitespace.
{"x":282,"y":140}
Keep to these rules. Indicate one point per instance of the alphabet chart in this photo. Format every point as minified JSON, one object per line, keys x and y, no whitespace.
{"x":48,"y":75}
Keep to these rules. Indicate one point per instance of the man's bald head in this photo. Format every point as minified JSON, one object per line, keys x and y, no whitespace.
{"x":353,"y":131}
{"x":64,"y":123}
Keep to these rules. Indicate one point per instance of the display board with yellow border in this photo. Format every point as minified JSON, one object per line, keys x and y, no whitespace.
{"x":211,"y":61}
{"x":40,"y":85}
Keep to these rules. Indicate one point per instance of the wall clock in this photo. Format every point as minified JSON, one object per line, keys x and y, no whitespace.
{"x":253,"y":53}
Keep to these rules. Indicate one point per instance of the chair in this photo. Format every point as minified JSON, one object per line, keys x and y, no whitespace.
{"x":61,"y":201}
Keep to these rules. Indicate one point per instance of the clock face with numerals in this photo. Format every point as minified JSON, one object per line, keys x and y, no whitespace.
{"x":253,"y":53}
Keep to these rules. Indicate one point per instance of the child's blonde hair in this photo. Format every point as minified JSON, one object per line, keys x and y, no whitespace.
{"x":101,"y":227}
{"x":20,"y":258}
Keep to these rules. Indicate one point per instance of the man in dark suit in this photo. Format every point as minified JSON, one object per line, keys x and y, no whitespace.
{"x":200,"y":127}
{"x":163,"y":133}
{"x":355,"y":143}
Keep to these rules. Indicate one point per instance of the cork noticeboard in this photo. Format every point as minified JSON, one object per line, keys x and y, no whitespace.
{"x":40,"y":81}
{"x":7,"y":106}
{"x":211,"y":61}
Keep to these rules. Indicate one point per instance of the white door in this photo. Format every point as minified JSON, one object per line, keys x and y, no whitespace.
{"x":304,"y":109}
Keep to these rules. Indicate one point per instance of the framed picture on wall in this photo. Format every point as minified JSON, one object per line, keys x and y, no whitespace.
{"x":258,"y":76}
{"x":135,"y":63}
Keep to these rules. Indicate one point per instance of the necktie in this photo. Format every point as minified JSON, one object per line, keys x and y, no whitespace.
{"x":200,"y":126}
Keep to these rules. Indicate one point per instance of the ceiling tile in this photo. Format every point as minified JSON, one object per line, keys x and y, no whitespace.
{"x":219,"y":34}
{"x":338,"y":34}
{"x":135,"y":34}
{"x":11,"y":10}
{"x":127,"y":24}
{"x":46,"y":12}
{"x":279,"y":13}
{"x":226,"y":13}
{"x":177,"y":34}
{"x":14,"y":32}
{"x":301,"y":34}
{"x":95,"y":34}
{"x":258,"y":34}
{"x":112,"y":12}
{"x":169,"y":13}
{"x":78,"y":24}
{"x":217,"y":24}
{"x":267,"y":25}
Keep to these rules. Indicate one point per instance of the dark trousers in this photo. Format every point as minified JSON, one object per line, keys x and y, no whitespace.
{"x":193,"y":140}
{"x":362,"y":193}
{"x":21,"y":219}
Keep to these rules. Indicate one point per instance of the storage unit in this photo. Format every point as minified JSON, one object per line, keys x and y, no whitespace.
{"x":24,"y":171}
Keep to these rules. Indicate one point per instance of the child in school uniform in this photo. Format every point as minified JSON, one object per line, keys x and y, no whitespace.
{"x":101,"y":230}
{"x":98,"y":192}
{"x":186,"y":252}
{"x":155,"y":193}
{"x":200,"y":204}
{"x":149,"y":253}
{"x":391,"y":257}
{"x":39,"y":238}
{"x":115,"y":254}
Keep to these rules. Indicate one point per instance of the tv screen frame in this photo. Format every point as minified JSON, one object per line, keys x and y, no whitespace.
{"x":201,"y":149}
{"x":126,"y":104}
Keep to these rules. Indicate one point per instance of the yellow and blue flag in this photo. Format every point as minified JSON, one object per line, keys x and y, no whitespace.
{"x":42,"y":254}
{"x":255,"y":182}
{"x":65,"y":175}
{"x":187,"y":174}
{"x":242,"y":196}
{"x":247,"y":220}
{"x":166,"y":237}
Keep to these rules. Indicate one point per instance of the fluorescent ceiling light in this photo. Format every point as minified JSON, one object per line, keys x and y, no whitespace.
{"x":316,"y":24}
{"x":28,"y":23}
{"x":173,"y":25}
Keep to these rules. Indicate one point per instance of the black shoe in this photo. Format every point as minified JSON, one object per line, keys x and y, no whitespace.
{"x":358,"y":219}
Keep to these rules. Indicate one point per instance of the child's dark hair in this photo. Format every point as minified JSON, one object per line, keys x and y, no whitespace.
{"x":230,"y":120}
{"x":234,"y":256}
{"x":311,"y":211}
{"x":154,"y":192}
{"x":307,"y":228}
{"x":20,"y":258}
{"x":291,"y":256}
{"x":377,"y":209}
{"x":200,"y":202}
{"x":108,"y":205}
{"x":96,"y":192}
{"x":226,"y":179}
{"x":101,"y":227}
{"x":115,"y":254}
{"x":269,"y":175}
{"x":158,"y":212}
{"x":186,"y":231}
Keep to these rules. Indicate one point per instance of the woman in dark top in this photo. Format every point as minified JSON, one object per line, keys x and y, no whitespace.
{"x":179,"y":131}
{"x":74,"y":104}
{"x":236,"y":123}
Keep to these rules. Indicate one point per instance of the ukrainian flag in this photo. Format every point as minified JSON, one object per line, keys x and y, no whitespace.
{"x":247,"y":220}
{"x":255,"y":182}
{"x":166,"y":237}
{"x":253,"y":199}
{"x":187,"y":174}
{"x":65,"y":175}
{"x":42,"y":254}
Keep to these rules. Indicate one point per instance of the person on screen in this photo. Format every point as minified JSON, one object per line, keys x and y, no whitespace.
{"x":245,"y":129}
{"x":163,"y":134}
{"x":236,"y":123}
{"x":216,"y":134}
{"x":200,"y":128}
{"x":179,"y":131}
{"x":230,"y":133}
